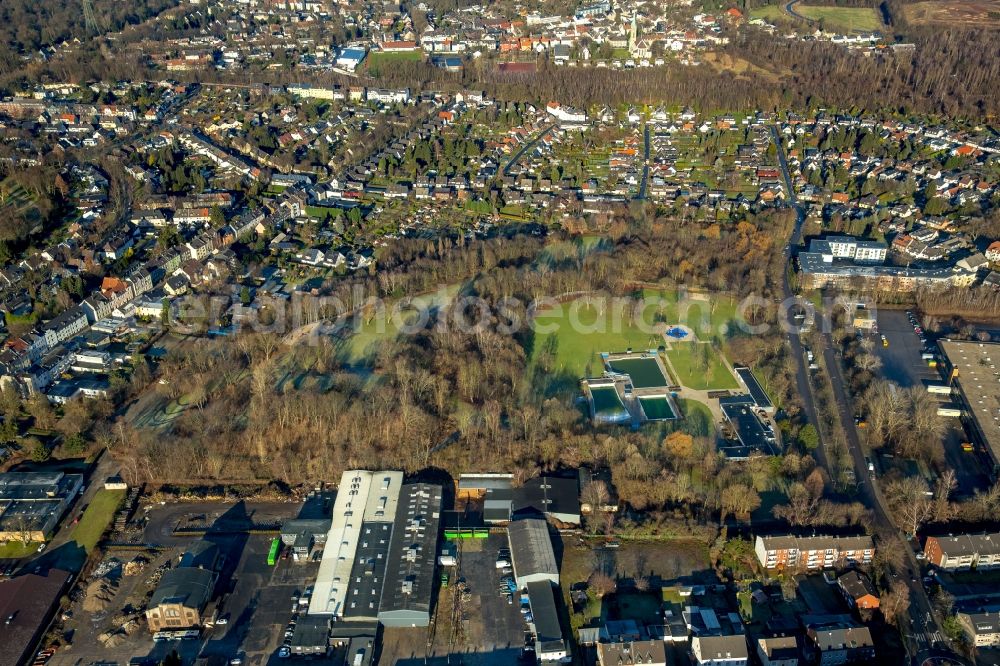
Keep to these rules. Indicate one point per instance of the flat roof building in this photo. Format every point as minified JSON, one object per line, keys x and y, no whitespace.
{"x":27,"y":605}
{"x":33,"y":502}
{"x":409,"y":575}
{"x":357,"y":545}
{"x":973,"y":371}
{"x":823,"y":270}
{"x":531,"y":552}
{"x":754,"y":388}
{"x":727,"y":650}
{"x":646,"y":652}
{"x":311,"y":636}
{"x":554,"y":497}
{"x":549,"y":642}
{"x":752,"y":434}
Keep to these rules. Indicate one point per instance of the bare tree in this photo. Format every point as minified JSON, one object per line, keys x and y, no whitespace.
{"x":895,"y":603}
{"x":23,"y":528}
{"x":601,"y":583}
{"x":946,"y":484}
{"x":909,"y":503}
{"x":595,"y":496}
{"x":868,"y":362}
{"x":739,"y":499}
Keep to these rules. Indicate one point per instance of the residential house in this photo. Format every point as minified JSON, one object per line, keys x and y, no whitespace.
{"x":176,"y":285}
{"x":993,"y":252}
{"x":982,"y":629}
{"x":858,"y":590}
{"x":140,"y":280}
{"x":720,"y":650}
{"x":64,"y":326}
{"x":842,"y":645}
{"x":200,"y":246}
{"x":778,"y":651}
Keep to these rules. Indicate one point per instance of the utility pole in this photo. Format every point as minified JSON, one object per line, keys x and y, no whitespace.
{"x":90,"y":18}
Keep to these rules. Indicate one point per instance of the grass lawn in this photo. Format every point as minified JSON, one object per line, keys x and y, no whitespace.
{"x":377,"y":58}
{"x":769,"y":13}
{"x":96,"y":518}
{"x":583,"y":329}
{"x":698,"y":419}
{"x":15,"y":550}
{"x":683,"y":357}
{"x":850,"y":19}
{"x":321,"y":212}
{"x":361,"y":345}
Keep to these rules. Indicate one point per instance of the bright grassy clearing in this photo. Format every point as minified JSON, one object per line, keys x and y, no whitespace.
{"x":769,"y":13}
{"x":375,"y":328}
{"x":376,"y":58}
{"x":850,"y":19}
{"x":585,"y":327}
{"x":96,"y":518}
{"x":15,"y":550}
{"x":685,"y":359}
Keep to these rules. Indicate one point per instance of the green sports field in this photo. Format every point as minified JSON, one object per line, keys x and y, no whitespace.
{"x":686,"y":359}
{"x":847,"y":19}
{"x":377,"y":58}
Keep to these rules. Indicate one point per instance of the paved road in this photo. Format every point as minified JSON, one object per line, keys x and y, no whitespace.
{"x":526,"y":147}
{"x":645,"y":165}
{"x":922,"y":627}
{"x":921,"y":631}
{"x":790,"y":9}
{"x":798,"y":353}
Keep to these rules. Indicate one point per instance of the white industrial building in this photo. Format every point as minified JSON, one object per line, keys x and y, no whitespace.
{"x":365,"y":505}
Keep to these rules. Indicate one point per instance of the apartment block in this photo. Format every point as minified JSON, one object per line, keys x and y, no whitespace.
{"x":964,"y":551}
{"x":814,"y":552}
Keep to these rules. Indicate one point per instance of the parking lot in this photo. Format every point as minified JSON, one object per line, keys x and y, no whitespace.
{"x":479,"y":625}
{"x":254,"y":598}
{"x":902,"y":363}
